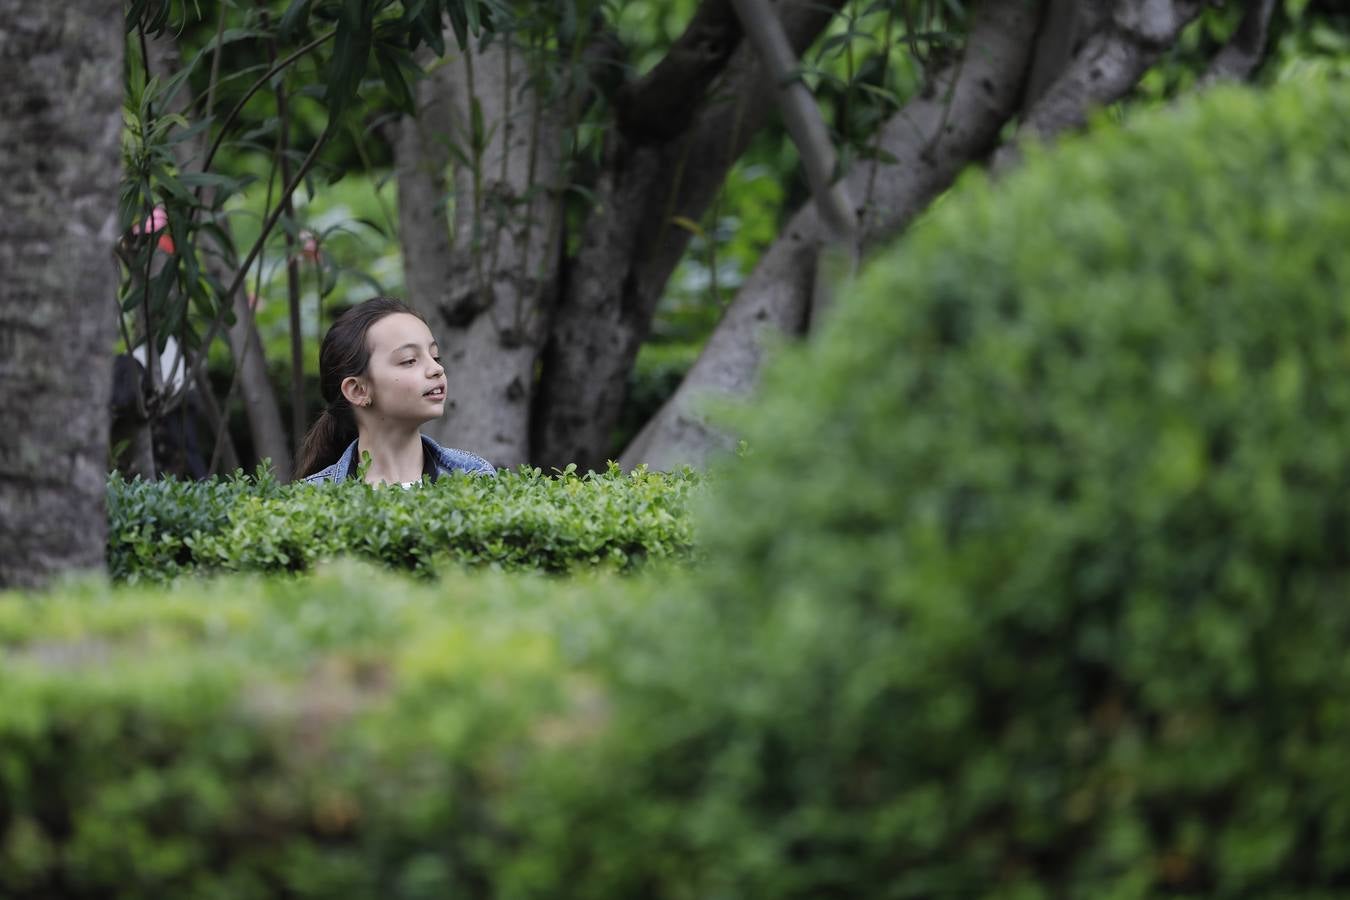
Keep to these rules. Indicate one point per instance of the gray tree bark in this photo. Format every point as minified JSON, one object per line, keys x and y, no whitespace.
{"x":956,"y":119}
{"x":667,"y":158}
{"x":260,"y":398}
{"x":1244,"y":51}
{"x":487,"y":286}
{"x":61,"y":64}
{"x":1125,"y":40}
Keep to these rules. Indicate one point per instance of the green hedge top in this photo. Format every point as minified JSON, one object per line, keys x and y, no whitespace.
{"x":519,"y":520}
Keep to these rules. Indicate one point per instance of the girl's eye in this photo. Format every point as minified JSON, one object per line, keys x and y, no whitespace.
{"x":408,"y":362}
{"x":437,"y":358}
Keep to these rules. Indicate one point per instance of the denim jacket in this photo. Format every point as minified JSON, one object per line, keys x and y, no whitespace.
{"x":448,"y":461}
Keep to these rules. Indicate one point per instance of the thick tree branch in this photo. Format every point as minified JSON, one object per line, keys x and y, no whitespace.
{"x":1064,"y":23}
{"x":1109,"y":64}
{"x":630,"y":247}
{"x":1244,"y":51}
{"x":931,"y":139}
{"x":660,"y":106}
{"x":723,"y":130}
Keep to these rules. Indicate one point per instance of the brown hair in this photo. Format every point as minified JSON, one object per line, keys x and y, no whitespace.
{"x":344,"y":354}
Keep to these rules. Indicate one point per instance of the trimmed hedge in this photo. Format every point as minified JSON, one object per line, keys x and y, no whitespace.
{"x":519,"y":520}
{"x":1033,"y":585}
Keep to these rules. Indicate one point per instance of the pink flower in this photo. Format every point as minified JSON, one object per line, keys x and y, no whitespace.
{"x":157,"y":221}
{"x":309,"y":245}
{"x":158,"y":218}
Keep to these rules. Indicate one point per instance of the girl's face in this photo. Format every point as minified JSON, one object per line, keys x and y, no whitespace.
{"x":404,"y":381}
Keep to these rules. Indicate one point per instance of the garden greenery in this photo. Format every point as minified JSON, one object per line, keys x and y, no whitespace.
{"x":1032,"y":585}
{"x":521,"y":519}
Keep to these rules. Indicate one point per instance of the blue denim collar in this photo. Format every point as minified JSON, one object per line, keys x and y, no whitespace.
{"x":448,"y":461}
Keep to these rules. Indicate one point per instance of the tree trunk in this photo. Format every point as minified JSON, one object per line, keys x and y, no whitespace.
{"x":956,"y":119}
{"x":259,"y":396}
{"x":487,"y":288}
{"x":667,"y":159}
{"x":61,"y":64}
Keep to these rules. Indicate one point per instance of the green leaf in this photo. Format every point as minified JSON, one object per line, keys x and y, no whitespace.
{"x":171,"y":87}
{"x":459,"y":23}
{"x":188,"y":133}
{"x":172,"y":185}
{"x":160,"y":285}
{"x":329,"y":277}
{"x":132,"y":297}
{"x":429,"y":28}
{"x":394,"y":81}
{"x":351,"y":55}
{"x":294,"y":21}
{"x":366,"y":278}
{"x":135,"y":9}
{"x":477,"y":131}
{"x":210,"y":179}
{"x":224,"y":243}
{"x":471,"y":17}
{"x":456,"y":152}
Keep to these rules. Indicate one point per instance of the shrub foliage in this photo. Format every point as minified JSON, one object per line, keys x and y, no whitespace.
{"x":1073,"y":567}
{"x":519,"y":520}
{"x":1031,"y":586}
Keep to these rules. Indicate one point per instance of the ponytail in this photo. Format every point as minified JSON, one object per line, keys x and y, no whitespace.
{"x":326,"y":439}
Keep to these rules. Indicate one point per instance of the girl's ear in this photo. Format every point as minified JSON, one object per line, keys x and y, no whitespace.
{"x":355,"y":391}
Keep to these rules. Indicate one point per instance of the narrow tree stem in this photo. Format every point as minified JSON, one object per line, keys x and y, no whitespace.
{"x":283,"y":164}
{"x":801,"y":114}
{"x":215,"y":64}
{"x":253,"y":89}
{"x":227,"y":298}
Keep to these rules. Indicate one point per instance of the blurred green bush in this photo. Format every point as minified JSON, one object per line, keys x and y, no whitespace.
{"x":351,"y":734}
{"x":1032,"y":585}
{"x":522,"y":519}
{"x":1039,"y":569}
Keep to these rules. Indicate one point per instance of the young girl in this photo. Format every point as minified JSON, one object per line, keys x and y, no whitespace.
{"x":380,"y":374}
